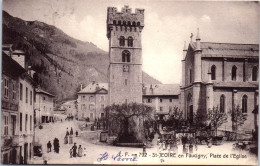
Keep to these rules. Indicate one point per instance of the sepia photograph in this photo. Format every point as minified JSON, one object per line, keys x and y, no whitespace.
{"x":158,"y":82}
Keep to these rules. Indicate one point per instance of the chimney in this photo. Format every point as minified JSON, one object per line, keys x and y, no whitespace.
{"x":80,"y":86}
{"x":151,"y":88}
{"x":198,"y":40}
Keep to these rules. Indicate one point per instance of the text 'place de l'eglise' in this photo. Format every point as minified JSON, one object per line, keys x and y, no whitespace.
{"x":217,"y":97}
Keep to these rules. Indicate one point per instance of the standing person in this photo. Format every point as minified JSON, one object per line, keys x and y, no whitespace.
{"x":67,"y":132}
{"x":71,"y":152}
{"x":77,"y":133}
{"x":58,"y":145}
{"x":49,"y":146}
{"x":55,"y":144}
{"x":74,"y":148}
{"x":71,"y":131}
{"x":80,"y":150}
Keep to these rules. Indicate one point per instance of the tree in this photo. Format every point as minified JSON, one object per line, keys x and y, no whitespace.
{"x":237,"y":117}
{"x":126,"y":121}
{"x":175,"y":119}
{"x":216,"y":118}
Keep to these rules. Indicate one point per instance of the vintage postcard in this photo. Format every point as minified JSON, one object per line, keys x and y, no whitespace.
{"x":129,"y":82}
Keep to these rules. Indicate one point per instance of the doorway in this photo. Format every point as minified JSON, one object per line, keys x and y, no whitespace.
{"x":25,"y":153}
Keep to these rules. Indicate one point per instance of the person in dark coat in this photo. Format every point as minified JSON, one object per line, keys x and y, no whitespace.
{"x":74,"y":149}
{"x":67,"y":132}
{"x":77,"y":133}
{"x":49,"y":146}
{"x":71,"y":131}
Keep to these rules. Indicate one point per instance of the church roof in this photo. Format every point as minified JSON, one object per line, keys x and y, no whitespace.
{"x":94,"y":87}
{"x":227,"y":49}
{"x":161,"y":89}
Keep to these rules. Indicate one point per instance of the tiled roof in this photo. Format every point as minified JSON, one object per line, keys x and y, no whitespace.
{"x":235,"y":84}
{"x":94,"y":87}
{"x":227,"y":49}
{"x":38,"y":90}
{"x":10,"y":66}
{"x":161,"y":89}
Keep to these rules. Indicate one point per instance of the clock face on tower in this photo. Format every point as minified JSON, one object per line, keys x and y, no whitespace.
{"x":126,"y":68}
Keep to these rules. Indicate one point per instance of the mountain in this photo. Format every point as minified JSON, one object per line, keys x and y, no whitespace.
{"x":59,"y":60}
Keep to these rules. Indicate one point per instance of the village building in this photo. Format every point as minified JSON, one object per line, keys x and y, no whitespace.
{"x":222,"y":75}
{"x":164,"y":98}
{"x":43,"y":106}
{"x":17,"y":108}
{"x":70,"y":108}
{"x":92,"y":100}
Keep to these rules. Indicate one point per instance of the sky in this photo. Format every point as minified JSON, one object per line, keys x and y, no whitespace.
{"x":168,"y":24}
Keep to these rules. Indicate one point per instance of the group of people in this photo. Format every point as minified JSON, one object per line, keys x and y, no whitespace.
{"x":167,"y":144}
{"x":77,"y":151}
{"x":188,"y":142}
{"x":56,"y":144}
{"x":69,"y":136}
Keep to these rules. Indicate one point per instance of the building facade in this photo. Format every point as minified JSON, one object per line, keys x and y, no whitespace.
{"x":17,"y":110}
{"x":162,"y":97}
{"x":125,"y":53}
{"x":70,"y":108}
{"x":43,"y":107}
{"x":92,"y":100}
{"x":222,"y":75}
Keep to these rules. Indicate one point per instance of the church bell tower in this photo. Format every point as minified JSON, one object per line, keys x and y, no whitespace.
{"x":125,"y":55}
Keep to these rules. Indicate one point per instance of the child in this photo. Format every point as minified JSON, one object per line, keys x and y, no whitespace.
{"x":71,"y":153}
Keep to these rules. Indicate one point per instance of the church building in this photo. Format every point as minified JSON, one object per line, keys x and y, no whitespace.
{"x":222,"y":75}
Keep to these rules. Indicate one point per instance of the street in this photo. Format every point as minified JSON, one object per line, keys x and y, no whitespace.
{"x":96,"y":151}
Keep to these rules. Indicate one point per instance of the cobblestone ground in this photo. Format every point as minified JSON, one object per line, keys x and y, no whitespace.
{"x":89,"y":139}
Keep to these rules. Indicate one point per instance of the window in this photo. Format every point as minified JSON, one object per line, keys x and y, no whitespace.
{"x":43,"y":98}
{"x":149,"y":100}
{"x":102,"y":107}
{"x":82,"y":97}
{"x":30,"y":122}
{"x":6,"y":125}
{"x":91,"y":98}
{"x":91,"y":107}
{"x":161,"y":108}
{"x":244,"y":104}
{"x":26,"y":95}
{"x":21,"y":91}
{"x":213,"y":72}
{"x":30,"y":97}
{"x":21,"y":121}
{"x":254,"y":73}
{"x":125,"y":81}
{"x":26,"y":121}
{"x":138,"y":23}
{"x":222,"y":104}
{"x":122,"y":41}
{"x":14,"y":92}
{"x":130,"y":41}
{"x":170,"y":100}
{"x":114,"y":22}
{"x":83,"y":106}
{"x":170,"y":108}
{"x":102,"y":98}
{"x":126,"y":56}
{"x":161,"y":100}
{"x":234,"y":73}
{"x":6,"y":87}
